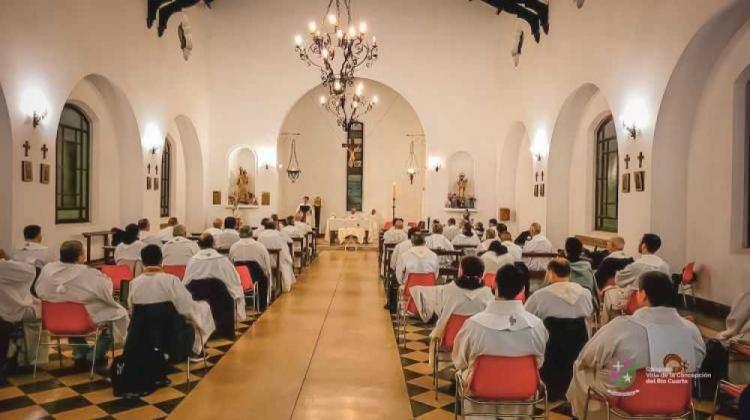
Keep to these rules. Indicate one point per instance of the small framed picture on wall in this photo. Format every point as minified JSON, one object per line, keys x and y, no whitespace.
{"x":640,"y":180}
{"x":626,"y":183}
{"x":216,"y":198}
{"x":27,"y":172}
{"x":536,"y":190}
{"x":148,"y":183}
{"x":44,"y":173}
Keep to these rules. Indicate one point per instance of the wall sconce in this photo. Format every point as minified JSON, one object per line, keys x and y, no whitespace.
{"x":539,"y":147}
{"x":633,"y":117}
{"x":152,"y":138}
{"x":434,"y":163}
{"x":34,"y":105}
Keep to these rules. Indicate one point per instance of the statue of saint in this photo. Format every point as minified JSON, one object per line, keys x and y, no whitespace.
{"x":462,"y":183}
{"x":242,"y":193}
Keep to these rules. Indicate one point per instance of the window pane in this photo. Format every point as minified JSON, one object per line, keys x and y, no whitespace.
{"x":607,"y":177}
{"x":72,"y":186}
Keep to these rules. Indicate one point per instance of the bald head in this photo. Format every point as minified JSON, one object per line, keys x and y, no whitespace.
{"x":179,"y":230}
{"x":505,"y":236}
{"x":535,"y":229}
{"x":616,"y":243}
{"x":218,"y":223}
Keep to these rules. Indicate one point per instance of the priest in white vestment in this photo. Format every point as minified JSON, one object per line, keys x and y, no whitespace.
{"x":451,"y":230}
{"x":156,"y":286}
{"x":305,"y":209}
{"x":144,"y":225}
{"x":272,"y":239}
{"x":626,"y":280}
{"x":209,"y":264}
{"x":396,"y":234}
{"x":417,"y":259}
{"x":437,"y":240}
{"x":261,"y":228}
{"x":654,"y":337}
{"x":248,"y":249}
{"x":71,"y":281}
{"x":513,"y":249}
{"x":538,"y":244}
{"x":496,"y":257}
{"x":562,"y":298}
{"x":228,"y":236}
{"x":398,"y":251}
{"x":17,"y":304}
{"x":215,"y":229}
{"x":504,"y":328}
{"x":179,"y":249}
{"x":489,"y":236}
{"x":167,"y":233}
{"x":466,"y":237}
{"x":33,"y":251}
{"x":738,"y":331}
{"x":128,"y":252}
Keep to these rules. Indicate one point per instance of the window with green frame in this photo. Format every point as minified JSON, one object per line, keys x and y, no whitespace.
{"x":73,"y":162}
{"x":607,"y":177}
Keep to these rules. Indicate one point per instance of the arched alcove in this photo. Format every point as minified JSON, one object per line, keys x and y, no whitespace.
{"x":508,"y":171}
{"x":458,"y":164}
{"x":6,"y":174}
{"x":242,"y":162}
{"x":195,"y":202}
{"x":388,"y":131}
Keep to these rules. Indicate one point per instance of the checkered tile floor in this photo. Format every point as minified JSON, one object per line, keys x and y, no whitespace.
{"x":65,"y":393}
{"x":418,"y":376}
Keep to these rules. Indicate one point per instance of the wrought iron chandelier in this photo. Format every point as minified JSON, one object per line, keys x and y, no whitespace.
{"x":337,"y":48}
{"x":411,"y":164}
{"x":293,"y":170}
{"x":349,"y":107}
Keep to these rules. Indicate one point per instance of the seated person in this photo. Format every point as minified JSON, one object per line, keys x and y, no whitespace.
{"x":145,"y":235}
{"x":506,"y":239}
{"x":248,"y":250}
{"x":215,"y":228}
{"x":272,"y":239}
{"x":489,"y":236}
{"x":156,"y":286}
{"x":402,"y":247}
{"x":129,"y":250}
{"x":563,"y":298}
{"x":466,"y":237}
{"x":504,"y":328}
{"x":33,"y":252}
{"x":209,"y":264}
{"x":497,"y":255}
{"x":451,"y":230}
{"x":179,"y":249}
{"x":300,"y":225}
{"x":70,"y":280}
{"x":465,"y":296}
{"x":738,"y":331}
{"x":642,"y":340}
{"x":580,"y":269}
{"x":228,"y":236}
{"x":291,"y":229}
{"x":261,"y":228}
{"x":417,"y":259}
{"x":626,"y":280}
{"x":538,"y":244}
{"x":614,"y":261}
{"x":437,"y":240}
{"x":167,"y":233}
{"x":17,"y":304}
{"x":396,"y":233}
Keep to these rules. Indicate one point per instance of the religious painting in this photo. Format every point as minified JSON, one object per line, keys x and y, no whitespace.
{"x":504,"y":214}
{"x":148,"y":183}
{"x":216,"y":198}
{"x":640,"y":180}
{"x":536,"y":190}
{"x":27,"y":174}
{"x":265,"y":199}
{"x":626,"y":183}
{"x":156,"y":183}
{"x":541,"y":190}
{"x":44,"y":173}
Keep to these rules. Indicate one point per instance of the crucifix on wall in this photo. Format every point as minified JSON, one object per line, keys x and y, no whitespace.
{"x":26,"y":146}
{"x":542,"y":176}
{"x":627,"y":161}
{"x":640,"y":159}
{"x":536,"y":176}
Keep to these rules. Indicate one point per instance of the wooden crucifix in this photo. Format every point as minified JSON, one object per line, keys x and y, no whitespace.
{"x":542,"y":176}
{"x":640,"y":159}
{"x":627,"y":161}
{"x":536,"y":176}
{"x":156,"y":167}
{"x":148,"y":167}
{"x":26,"y":146}
{"x":45,"y":149}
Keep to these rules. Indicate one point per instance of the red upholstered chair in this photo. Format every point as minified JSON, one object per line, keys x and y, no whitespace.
{"x":406,"y":305}
{"x":687,"y":281}
{"x":726,"y":387}
{"x":388,"y":224}
{"x":64,"y":320}
{"x":445,"y":343}
{"x":248,"y":286}
{"x":650,"y":400}
{"x":117,"y":273}
{"x":175,"y":270}
{"x":521,"y":296}
{"x":502,"y":381}
{"x":490,"y":280}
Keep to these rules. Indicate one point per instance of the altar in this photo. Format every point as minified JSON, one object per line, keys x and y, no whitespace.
{"x":359,"y":227}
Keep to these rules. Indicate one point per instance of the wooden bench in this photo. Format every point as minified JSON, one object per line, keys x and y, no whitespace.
{"x":89,"y":237}
{"x":597,"y":243}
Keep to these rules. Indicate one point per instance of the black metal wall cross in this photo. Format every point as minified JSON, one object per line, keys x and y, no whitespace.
{"x":45,"y":149}
{"x":26,"y":146}
{"x":627,"y":161}
{"x":640,"y":159}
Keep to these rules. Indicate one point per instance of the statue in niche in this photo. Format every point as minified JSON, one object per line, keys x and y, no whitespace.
{"x":241,"y":194}
{"x":462,"y":184}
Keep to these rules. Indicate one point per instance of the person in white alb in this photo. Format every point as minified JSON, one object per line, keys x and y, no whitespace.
{"x":496,"y":257}
{"x":562,"y":298}
{"x":466,"y":237}
{"x":209,"y":264}
{"x":489,"y":236}
{"x":402,"y":247}
{"x":145,"y":236}
{"x":167,"y":233}
{"x":248,"y":249}
{"x":655,"y":337}
{"x":33,"y":252}
{"x":70,"y":280}
{"x":451,"y":230}
{"x":538,"y":244}
{"x":224,"y":240}
{"x":128,"y":252}
{"x":507,"y":240}
{"x":156,"y":286}
{"x":215,"y":228}
{"x":626,"y":280}
{"x":437,"y":240}
{"x":396,"y":233}
{"x":417,"y":259}
{"x":179,"y":249}
{"x":504,"y":328}
{"x":738,"y":331}
{"x":272,"y":239}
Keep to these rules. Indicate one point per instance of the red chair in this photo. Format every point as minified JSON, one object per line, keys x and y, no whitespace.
{"x":248,"y":286}
{"x":502,"y":381}
{"x":388,"y":224}
{"x":490,"y":280}
{"x":687,"y":281}
{"x":651,"y":400}
{"x":406,"y":305}
{"x":175,"y":270}
{"x":445,"y":343}
{"x":65,"y":320}
{"x":118,"y":274}
{"x":733,"y":390}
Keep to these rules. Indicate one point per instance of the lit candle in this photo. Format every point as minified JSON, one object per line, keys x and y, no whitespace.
{"x":393,"y":192}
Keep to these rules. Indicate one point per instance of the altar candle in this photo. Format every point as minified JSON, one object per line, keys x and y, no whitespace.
{"x":393,"y":192}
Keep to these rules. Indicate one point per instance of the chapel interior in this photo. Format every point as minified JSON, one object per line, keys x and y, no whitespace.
{"x":374,"y":209}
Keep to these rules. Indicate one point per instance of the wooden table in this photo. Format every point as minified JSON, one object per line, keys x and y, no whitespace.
{"x":89,"y":237}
